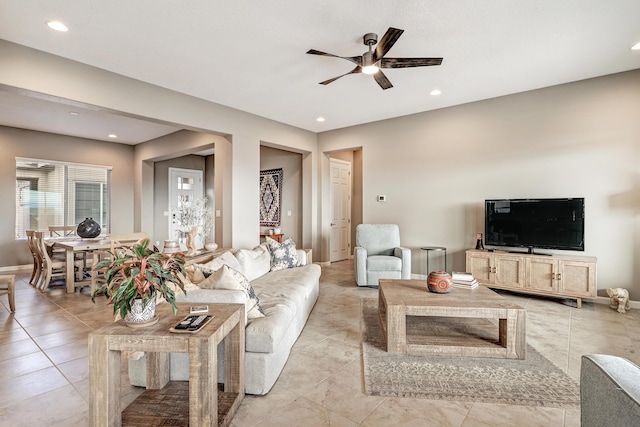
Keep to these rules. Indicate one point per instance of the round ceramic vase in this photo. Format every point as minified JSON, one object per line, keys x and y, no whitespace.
{"x":439,"y":282}
{"x":88,"y":229}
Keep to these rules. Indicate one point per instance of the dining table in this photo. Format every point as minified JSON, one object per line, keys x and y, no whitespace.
{"x":73,"y":246}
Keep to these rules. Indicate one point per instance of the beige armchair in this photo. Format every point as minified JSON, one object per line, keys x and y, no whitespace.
{"x":378,"y":254}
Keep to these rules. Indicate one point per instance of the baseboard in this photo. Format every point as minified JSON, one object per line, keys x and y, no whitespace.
{"x":11,"y":268}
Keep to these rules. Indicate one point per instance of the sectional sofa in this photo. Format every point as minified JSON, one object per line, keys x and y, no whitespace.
{"x":285,"y":298}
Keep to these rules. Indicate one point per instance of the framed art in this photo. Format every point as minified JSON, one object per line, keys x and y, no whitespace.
{"x":270,"y":197}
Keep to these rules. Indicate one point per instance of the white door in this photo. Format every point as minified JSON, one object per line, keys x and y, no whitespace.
{"x":185,"y":186}
{"x":340,"y":244}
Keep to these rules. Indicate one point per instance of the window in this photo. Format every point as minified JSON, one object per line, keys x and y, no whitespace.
{"x":54,"y":193}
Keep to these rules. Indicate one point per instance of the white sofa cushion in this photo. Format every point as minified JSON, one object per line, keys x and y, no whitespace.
{"x":283,"y":293}
{"x":254,"y":262}
{"x":198,"y":272}
{"x":228,"y":278}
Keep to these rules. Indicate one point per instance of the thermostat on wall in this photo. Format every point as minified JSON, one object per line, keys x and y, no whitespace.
{"x":382,"y":198}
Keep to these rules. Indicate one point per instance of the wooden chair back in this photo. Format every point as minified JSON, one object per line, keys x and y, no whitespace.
{"x":62,"y":230}
{"x":117,"y":240}
{"x":50,"y":268}
{"x":124,"y":238}
{"x":37,"y":260}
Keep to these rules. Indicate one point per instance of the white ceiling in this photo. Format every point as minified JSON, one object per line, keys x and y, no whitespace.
{"x":250,"y":55}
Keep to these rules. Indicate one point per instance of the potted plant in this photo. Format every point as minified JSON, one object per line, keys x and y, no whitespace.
{"x":135,"y":276}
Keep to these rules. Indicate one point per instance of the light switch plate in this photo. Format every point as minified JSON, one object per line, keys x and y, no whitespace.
{"x":382,"y":198}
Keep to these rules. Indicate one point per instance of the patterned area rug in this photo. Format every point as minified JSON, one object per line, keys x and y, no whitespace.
{"x":534,"y":381}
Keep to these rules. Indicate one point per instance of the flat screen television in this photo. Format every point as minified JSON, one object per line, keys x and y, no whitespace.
{"x":535,"y":223}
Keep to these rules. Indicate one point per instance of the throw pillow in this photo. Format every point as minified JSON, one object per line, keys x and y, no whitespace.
{"x":254,"y":262}
{"x":283,"y":255}
{"x":224,"y":258}
{"x":228,"y":278}
{"x":198,"y":272}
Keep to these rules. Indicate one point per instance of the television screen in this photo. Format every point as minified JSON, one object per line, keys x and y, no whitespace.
{"x":535,"y":223}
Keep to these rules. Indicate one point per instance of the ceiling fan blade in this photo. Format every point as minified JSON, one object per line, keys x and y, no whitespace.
{"x":382,"y":80}
{"x":387,"y":42}
{"x":409,"y":62}
{"x":355,"y":59}
{"x":356,"y":70}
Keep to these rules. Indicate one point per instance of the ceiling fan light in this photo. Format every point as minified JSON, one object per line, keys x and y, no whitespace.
{"x":368,"y":66}
{"x":370,"y":69}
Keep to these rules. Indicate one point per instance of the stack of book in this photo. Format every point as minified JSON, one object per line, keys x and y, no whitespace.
{"x":464,"y":280}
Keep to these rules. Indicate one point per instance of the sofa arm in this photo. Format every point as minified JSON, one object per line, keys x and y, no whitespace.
{"x":304,"y":256}
{"x":360,"y":265}
{"x":405,"y":255}
{"x":609,"y":391}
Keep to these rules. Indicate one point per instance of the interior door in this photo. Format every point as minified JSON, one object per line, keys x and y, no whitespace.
{"x":185,"y":186}
{"x":340,"y":244}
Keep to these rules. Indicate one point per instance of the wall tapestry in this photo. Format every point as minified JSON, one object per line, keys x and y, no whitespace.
{"x":270,"y":197}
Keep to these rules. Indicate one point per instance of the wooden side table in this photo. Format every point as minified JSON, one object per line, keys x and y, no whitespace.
{"x":107,"y":343}
{"x":276,"y":237}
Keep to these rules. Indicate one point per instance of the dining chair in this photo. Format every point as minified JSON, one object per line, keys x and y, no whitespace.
{"x":7,"y":287}
{"x":51,"y":267}
{"x":62,"y":230}
{"x":117,"y":240}
{"x":37,"y":261}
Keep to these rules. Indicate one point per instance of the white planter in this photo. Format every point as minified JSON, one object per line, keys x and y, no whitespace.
{"x":139,"y":316}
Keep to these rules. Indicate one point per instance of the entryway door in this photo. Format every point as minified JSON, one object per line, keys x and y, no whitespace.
{"x":185,"y":186}
{"x":340,"y":244}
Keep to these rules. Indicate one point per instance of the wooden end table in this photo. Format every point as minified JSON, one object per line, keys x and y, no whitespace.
{"x":401,"y":298}
{"x":107,"y":343}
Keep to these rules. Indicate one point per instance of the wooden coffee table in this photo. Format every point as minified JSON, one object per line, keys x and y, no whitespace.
{"x":204,"y":404}
{"x":401,"y":298}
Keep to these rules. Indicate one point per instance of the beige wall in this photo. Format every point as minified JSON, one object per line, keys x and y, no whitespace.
{"x":575,"y":140}
{"x":436,"y":168}
{"x":39,"y":145}
{"x":31,"y":71}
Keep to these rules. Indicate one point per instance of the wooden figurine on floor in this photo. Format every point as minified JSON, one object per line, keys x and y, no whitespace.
{"x":619,"y":299}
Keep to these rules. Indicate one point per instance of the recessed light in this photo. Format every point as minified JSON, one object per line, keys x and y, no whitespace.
{"x":113,"y":135}
{"x":436,"y":92}
{"x":636,"y":46}
{"x":57,"y":25}
{"x":320,"y":119}
{"x":73,"y":113}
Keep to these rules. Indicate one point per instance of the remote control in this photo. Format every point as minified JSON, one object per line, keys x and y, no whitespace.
{"x":199,"y":320}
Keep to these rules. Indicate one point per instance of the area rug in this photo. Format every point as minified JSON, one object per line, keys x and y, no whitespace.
{"x":534,"y":381}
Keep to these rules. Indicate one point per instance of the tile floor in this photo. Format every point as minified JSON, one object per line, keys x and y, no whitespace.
{"x":44,"y":362}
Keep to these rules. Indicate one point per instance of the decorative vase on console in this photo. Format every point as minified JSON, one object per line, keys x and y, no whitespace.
{"x":88,"y":229}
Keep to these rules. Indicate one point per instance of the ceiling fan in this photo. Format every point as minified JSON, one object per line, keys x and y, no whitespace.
{"x":372,"y":61}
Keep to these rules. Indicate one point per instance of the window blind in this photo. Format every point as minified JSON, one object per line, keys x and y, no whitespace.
{"x":55,"y":193}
